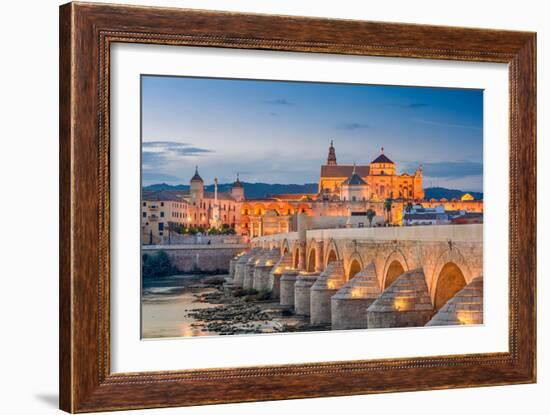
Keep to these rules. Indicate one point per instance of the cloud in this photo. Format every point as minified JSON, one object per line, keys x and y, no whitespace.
{"x":157,"y":153}
{"x":446,"y":125}
{"x":352,"y":126}
{"x":279,"y":101}
{"x":452,"y":169}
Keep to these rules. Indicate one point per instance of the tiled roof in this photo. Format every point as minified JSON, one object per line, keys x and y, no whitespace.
{"x":354,"y":179}
{"x":165,"y":195}
{"x":343,"y":170}
{"x":382,"y":159}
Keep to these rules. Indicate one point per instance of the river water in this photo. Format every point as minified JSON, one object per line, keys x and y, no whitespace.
{"x":168,"y":301}
{"x":165,"y":303}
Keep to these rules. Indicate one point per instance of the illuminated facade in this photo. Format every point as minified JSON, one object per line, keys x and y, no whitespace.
{"x":345,"y":190}
{"x":375,"y":181}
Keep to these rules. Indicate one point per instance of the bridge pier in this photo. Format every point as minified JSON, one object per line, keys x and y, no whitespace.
{"x":263,"y":269}
{"x":274,"y":284}
{"x":288,"y":281}
{"x":238,"y":278}
{"x":466,"y":307}
{"x":319,"y":255}
{"x":249,"y":267}
{"x":350,"y":303}
{"x":328,"y":283}
{"x":302,"y":293}
{"x":405,"y":303}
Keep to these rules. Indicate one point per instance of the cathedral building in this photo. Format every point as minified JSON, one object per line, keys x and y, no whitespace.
{"x":346,"y":192}
{"x":376,"y":181}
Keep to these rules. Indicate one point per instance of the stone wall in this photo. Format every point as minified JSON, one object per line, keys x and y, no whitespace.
{"x":198,"y":258}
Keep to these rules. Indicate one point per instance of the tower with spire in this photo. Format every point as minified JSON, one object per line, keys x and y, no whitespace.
{"x":331,"y":160}
{"x":196,"y":187}
{"x":237,"y":190}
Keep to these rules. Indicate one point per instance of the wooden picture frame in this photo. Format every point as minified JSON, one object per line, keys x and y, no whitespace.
{"x":86,"y":33}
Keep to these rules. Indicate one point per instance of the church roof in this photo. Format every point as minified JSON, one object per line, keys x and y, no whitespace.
{"x":196,"y":177}
{"x":343,"y":170}
{"x":382,"y":159}
{"x":238,"y":183}
{"x":354,"y":179}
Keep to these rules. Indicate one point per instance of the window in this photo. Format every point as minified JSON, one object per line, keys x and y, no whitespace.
{"x":162,"y":203}
{"x":161,"y":214}
{"x":353,"y":199}
{"x":161,"y":226}
{"x":144,"y":203}
{"x":144,"y":214}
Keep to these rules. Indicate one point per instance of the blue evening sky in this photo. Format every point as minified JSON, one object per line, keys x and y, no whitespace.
{"x":279,"y":132}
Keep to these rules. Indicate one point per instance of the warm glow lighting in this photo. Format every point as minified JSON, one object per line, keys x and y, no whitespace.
{"x":330,"y":285}
{"x":356,"y":292}
{"x":464,"y":318}
{"x":268,"y":263}
{"x":400,"y":304}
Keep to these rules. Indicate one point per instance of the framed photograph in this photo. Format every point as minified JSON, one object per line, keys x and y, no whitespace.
{"x":258,"y":207}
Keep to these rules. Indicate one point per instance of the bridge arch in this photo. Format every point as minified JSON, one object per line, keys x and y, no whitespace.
{"x":451,"y":270}
{"x":285,"y":248}
{"x":355,"y":265}
{"x":395,"y":265}
{"x":332,"y":253}
{"x":311,"y":259}
{"x":449,"y":281}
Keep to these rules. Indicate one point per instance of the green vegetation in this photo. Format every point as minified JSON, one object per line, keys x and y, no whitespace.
{"x":157,"y":265}
{"x":224,"y":230}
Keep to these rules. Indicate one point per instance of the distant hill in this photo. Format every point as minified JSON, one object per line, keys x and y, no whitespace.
{"x":251,"y":190}
{"x":258,"y":190}
{"x":441,"y":192}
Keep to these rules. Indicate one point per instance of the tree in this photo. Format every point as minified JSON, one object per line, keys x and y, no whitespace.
{"x":157,"y":265}
{"x":370,"y":216}
{"x":387,"y":207}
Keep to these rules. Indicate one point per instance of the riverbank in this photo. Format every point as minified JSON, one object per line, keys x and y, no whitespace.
{"x":196,"y":305}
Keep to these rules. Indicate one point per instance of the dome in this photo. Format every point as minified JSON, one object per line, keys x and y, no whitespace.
{"x":196,"y":177}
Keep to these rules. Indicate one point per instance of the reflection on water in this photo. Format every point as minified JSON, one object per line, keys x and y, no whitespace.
{"x":174,"y":306}
{"x":165,"y":304}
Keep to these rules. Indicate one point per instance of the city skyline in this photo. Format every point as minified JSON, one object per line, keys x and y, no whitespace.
{"x":279,"y":131}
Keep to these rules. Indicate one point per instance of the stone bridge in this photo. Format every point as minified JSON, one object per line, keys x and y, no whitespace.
{"x":404,"y":276}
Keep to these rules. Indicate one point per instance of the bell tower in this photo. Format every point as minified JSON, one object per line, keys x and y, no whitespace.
{"x":331,"y":160}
